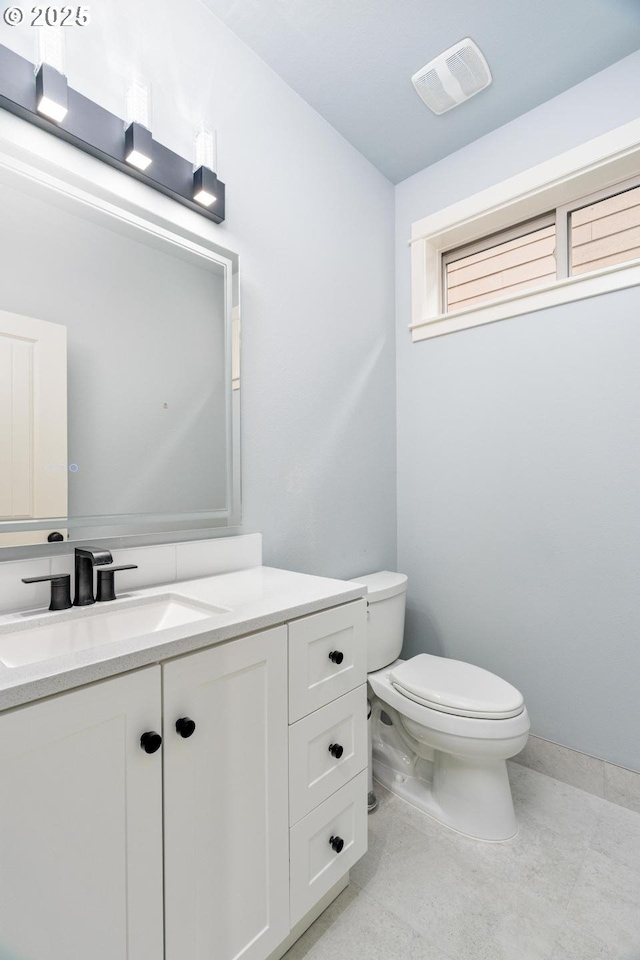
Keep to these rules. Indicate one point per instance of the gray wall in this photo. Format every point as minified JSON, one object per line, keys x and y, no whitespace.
{"x":312,"y":222}
{"x":519,"y":464}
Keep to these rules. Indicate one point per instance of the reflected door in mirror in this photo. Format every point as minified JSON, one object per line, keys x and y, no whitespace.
{"x":33,"y":425}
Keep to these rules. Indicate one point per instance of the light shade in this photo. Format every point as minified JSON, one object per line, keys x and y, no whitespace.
{"x":138,"y":146}
{"x":205,"y":149}
{"x":52,"y":96}
{"x":205,"y":184}
{"x":138,"y":103}
{"x":50,"y":47}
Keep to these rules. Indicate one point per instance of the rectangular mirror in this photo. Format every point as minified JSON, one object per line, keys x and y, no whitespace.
{"x":118,"y":384}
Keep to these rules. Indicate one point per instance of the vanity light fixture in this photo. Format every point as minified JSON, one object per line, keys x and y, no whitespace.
{"x":52,"y":94}
{"x":205,"y":180}
{"x":124,"y":142}
{"x":138,"y":142}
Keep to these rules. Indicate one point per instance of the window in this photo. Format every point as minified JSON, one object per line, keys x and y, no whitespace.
{"x":564,"y":230}
{"x":606,"y":232}
{"x":513,"y":260}
{"x":601,"y":230}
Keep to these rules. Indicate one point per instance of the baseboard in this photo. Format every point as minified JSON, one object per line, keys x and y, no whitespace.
{"x":599,"y":777}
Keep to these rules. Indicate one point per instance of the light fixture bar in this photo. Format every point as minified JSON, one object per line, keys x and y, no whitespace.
{"x":96,"y":131}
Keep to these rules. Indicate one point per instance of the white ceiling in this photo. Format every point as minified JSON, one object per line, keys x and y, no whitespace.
{"x":352,"y":60}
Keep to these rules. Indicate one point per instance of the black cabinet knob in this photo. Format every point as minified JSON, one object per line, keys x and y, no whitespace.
{"x":55,"y":537}
{"x":337,"y":843}
{"x":150,"y":741}
{"x":185,"y":727}
{"x":336,"y":656}
{"x":336,"y":750}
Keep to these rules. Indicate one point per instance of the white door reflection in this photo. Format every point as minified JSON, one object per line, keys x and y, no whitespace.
{"x":33,"y":425}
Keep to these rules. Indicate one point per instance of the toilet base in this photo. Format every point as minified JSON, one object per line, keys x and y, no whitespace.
{"x":471,"y":795}
{"x":451,"y":767}
{"x":475,"y":803}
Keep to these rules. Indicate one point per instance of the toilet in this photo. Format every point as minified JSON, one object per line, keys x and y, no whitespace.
{"x":442,"y":730}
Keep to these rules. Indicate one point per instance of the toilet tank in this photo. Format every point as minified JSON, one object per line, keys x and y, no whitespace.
{"x":385,"y":623}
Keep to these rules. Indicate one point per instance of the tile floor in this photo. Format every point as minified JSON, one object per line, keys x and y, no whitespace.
{"x":566,"y":888}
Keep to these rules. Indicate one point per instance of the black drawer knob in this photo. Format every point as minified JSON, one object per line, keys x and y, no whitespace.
{"x":336,"y":657}
{"x":337,"y":843}
{"x":150,"y":741}
{"x":336,"y":750}
{"x":185,"y":727}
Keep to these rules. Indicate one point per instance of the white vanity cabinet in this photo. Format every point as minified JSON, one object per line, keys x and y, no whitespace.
{"x":216,"y":845}
{"x":225,"y":801}
{"x":81,"y":825}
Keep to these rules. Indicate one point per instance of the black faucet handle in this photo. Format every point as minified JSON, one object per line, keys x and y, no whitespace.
{"x":107,"y":581}
{"x":60,"y":589}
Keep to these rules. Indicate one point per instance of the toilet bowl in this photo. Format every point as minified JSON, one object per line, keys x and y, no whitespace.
{"x":442,"y":730}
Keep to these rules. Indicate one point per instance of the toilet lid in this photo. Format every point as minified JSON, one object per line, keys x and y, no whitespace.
{"x":452,"y":686}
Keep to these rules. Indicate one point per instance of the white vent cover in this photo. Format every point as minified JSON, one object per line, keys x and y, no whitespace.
{"x":454,"y":76}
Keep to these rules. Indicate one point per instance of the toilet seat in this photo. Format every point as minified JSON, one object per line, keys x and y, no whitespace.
{"x":436,"y":719}
{"x":455,"y":687}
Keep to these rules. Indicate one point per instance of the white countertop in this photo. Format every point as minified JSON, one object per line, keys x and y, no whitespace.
{"x":257,"y":598}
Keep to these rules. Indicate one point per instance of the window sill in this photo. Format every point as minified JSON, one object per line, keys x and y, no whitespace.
{"x":617,"y":277}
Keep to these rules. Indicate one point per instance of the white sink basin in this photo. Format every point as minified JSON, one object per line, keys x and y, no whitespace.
{"x":54,"y":635}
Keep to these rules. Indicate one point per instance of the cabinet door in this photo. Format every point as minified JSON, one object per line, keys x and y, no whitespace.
{"x":81,"y":825}
{"x":226,"y":801}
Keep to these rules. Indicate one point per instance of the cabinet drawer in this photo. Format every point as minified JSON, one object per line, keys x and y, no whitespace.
{"x":315,"y":864}
{"x":314,"y":677}
{"x":315,"y":772}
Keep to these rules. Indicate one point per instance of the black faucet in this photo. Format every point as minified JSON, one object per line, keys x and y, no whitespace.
{"x":86,"y":559}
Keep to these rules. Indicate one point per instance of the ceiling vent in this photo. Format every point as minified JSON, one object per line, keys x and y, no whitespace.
{"x":453,"y":77}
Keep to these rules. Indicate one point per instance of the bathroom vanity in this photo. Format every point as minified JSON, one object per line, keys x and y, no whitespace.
{"x":199,"y":792}
{"x":182,"y":769}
